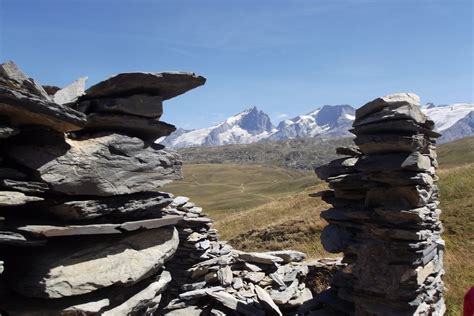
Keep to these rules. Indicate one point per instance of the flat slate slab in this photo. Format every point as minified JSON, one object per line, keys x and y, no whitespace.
{"x":141,"y":127}
{"x":98,"y":229}
{"x":25,"y":109}
{"x":79,"y":267}
{"x":165,"y":84}
{"x":103,"y":166}
{"x":138,"y":104}
{"x":14,"y":198}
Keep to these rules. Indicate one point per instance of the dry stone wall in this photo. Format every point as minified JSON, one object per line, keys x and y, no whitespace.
{"x":385,"y":214}
{"x":84,"y":229}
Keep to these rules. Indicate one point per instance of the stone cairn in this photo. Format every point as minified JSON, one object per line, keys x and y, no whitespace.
{"x":83,"y":227}
{"x":385,"y":215}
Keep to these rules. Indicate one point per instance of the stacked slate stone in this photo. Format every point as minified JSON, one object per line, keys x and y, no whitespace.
{"x":82,"y":227}
{"x":209,"y":277}
{"x":385,"y":215}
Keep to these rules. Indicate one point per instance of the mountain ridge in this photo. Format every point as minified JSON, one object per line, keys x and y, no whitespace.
{"x":329,"y":121}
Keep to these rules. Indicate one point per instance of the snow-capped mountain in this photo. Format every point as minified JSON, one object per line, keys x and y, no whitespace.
{"x":253,"y":125}
{"x":246,"y":127}
{"x":453,"y":121}
{"x":329,"y":120}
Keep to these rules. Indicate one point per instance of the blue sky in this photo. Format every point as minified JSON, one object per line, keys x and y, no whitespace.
{"x":285,"y":57}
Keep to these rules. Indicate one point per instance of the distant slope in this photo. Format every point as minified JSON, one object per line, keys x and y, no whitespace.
{"x":456,"y":153}
{"x":305,"y":153}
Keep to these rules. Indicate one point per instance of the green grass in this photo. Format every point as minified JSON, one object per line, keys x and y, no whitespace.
{"x":259,"y":207}
{"x":456,"y":153}
{"x":224,"y":188}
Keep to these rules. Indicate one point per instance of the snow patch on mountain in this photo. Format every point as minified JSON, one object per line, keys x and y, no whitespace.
{"x":446,"y":116}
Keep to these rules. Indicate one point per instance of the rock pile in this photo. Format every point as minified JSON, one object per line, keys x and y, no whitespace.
{"x":84,"y":229}
{"x":209,"y":277}
{"x":385,"y":215}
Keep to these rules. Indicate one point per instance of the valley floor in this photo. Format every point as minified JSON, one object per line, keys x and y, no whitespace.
{"x":259,"y":207}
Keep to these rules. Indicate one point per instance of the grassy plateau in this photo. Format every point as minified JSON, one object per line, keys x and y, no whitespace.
{"x":266,"y":207}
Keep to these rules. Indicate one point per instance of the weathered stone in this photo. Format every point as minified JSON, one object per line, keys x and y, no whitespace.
{"x":144,"y":128}
{"x":65,"y":271}
{"x":288,"y":255}
{"x":106,"y":165}
{"x":180,"y":200}
{"x":31,"y":187}
{"x":282,"y":297}
{"x":16,"y":239}
{"x":92,"y":307}
{"x":129,"y":206}
{"x":225,"y":276}
{"x":138,"y":104}
{"x":199,"y":293}
{"x":337,"y":167}
{"x":400,"y":112}
{"x":392,"y":162}
{"x":349,"y":151}
{"x":71,"y":92}
{"x":335,"y":238}
{"x":165,"y":84}
{"x":254,"y":277}
{"x":388,"y":143}
{"x":234,"y":304}
{"x":257,"y":257}
{"x":185,"y":311}
{"x":267,"y":301}
{"x":98,"y":229}
{"x":13,"y":198}
{"x":404,"y":197}
{"x":391,"y":101}
{"x":24,"y":109}
{"x":7,"y":131}
{"x":399,"y":126}
{"x":143,"y":298}
{"x":401,"y":178}
{"x":302,"y":297}
{"x":13,"y":78}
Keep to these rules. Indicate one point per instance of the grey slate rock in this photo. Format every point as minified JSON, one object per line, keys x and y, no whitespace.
{"x":139,"y":104}
{"x":391,"y":101}
{"x":24,"y":109}
{"x":135,"y":126}
{"x":27,"y":187}
{"x":164,"y":84}
{"x":288,"y":255}
{"x":70,"y":93}
{"x":68,"y":271}
{"x":389,"y":143}
{"x":335,"y":238}
{"x":14,"y":198}
{"x":106,"y":165}
{"x":7,"y":131}
{"x":130,"y":206}
{"x":98,"y":229}
{"x":399,"y":126}
{"x":13,"y":78}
